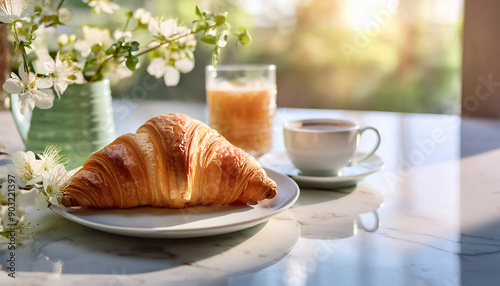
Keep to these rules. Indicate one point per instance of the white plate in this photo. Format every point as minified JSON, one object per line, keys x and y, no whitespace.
{"x":279,"y":162}
{"x":187,"y":222}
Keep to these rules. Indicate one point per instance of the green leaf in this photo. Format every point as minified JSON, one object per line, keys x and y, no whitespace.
{"x":241,"y":29}
{"x":90,"y":62}
{"x":244,"y":38}
{"x":220,"y":19}
{"x":34,"y":28}
{"x":111,"y":50}
{"x":198,"y":12}
{"x":209,"y":39}
{"x":95,"y":49}
{"x":189,"y":54}
{"x":89,"y":68}
{"x":198,"y":26}
{"x":134,"y":46}
{"x":215,"y":56}
{"x":131,"y":62}
{"x":5,"y":234}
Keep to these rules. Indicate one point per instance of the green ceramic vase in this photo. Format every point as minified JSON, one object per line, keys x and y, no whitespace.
{"x":81,"y":122}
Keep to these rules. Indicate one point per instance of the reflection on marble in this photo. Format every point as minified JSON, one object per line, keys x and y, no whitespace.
{"x":417,"y":242}
{"x":332,"y":215}
{"x":68,"y":251}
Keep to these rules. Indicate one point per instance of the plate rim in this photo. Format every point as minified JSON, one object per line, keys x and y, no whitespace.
{"x":289,"y":201}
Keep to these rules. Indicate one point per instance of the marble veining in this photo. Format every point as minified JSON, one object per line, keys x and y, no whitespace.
{"x":68,"y":250}
{"x":431,"y":221}
{"x":64,"y":252}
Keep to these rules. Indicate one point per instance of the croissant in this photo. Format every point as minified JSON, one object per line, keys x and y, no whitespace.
{"x":171,"y":161}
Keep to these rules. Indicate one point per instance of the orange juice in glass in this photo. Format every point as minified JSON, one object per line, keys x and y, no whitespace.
{"x":241,"y":102}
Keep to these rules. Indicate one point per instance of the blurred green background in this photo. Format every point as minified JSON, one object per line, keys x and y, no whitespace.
{"x":383,"y":55}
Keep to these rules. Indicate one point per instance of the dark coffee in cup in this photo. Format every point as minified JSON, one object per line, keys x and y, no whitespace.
{"x":325,"y":126}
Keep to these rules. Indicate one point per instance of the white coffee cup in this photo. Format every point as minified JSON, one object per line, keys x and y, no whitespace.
{"x":322,"y":147}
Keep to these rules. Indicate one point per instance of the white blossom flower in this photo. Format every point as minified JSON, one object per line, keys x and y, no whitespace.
{"x":142,"y":16}
{"x":39,"y":44}
{"x":189,"y":40}
{"x":65,"y":16}
{"x":184,"y":65}
{"x":17,"y":215}
{"x":127,"y":35}
{"x":30,"y":89}
{"x":26,"y":167}
{"x":53,"y":183}
{"x":18,"y":227}
{"x":105,"y":6}
{"x":92,"y":36}
{"x":119,"y":72}
{"x":42,"y":57}
{"x":62,"y":72}
{"x":159,"y":67}
{"x":46,"y":176}
{"x":79,"y":79}
{"x":12,"y":10}
{"x":164,"y":29}
{"x":63,"y":40}
{"x":156,"y":67}
{"x":52,"y":158}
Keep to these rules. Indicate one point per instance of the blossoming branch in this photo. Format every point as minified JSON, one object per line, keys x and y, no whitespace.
{"x":101,"y":53}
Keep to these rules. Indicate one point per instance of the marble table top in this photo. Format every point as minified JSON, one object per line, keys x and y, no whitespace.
{"x":430,"y":217}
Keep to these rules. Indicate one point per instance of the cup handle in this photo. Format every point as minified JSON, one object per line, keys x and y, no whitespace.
{"x":353,"y":163}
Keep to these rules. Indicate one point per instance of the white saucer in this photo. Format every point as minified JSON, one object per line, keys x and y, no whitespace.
{"x":279,"y":162}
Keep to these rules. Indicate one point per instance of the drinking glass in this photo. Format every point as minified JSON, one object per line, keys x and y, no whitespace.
{"x":241,"y":102}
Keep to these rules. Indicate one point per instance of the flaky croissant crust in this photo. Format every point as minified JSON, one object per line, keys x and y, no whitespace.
{"x":171,"y":161}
